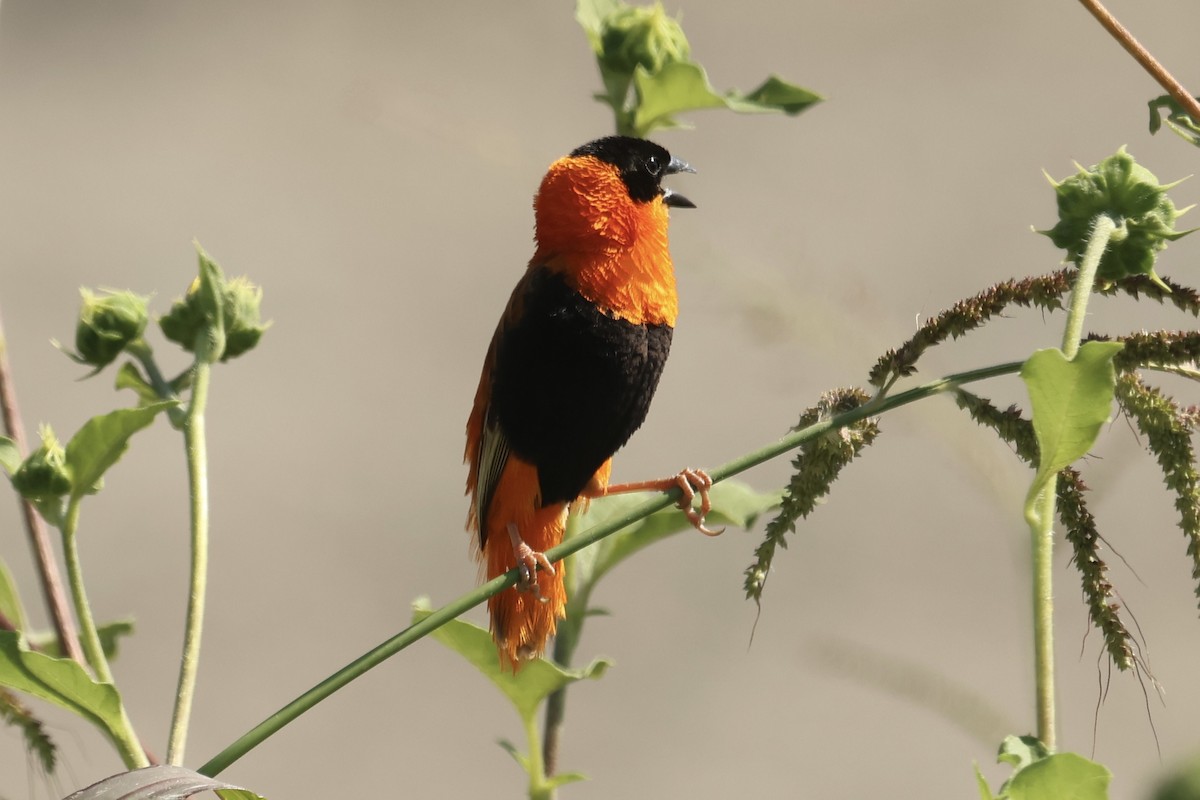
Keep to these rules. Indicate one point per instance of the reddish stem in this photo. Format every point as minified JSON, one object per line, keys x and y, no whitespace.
{"x":1143,"y":57}
{"x":52,"y":586}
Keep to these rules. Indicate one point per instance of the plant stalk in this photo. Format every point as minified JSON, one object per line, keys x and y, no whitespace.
{"x":197,"y":461}
{"x":124,"y":736}
{"x":1040,"y":505}
{"x":1140,"y":54}
{"x":39,"y":540}
{"x":376,"y":656}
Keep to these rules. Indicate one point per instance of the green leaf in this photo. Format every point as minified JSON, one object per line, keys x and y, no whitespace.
{"x":10,"y":456}
{"x":985,"y":791}
{"x":1062,"y":776}
{"x":128,"y":377}
{"x":102,"y":441}
{"x":684,"y":86}
{"x":60,"y":681}
{"x":563,"y":778}
{"x":510,"y":748}
{"x":526,"y":690}
{"x":1021,"y":751}
{"x":10,"y":601}
{"x":775,"y":94}
{"x":1071,"y":401}
{"x":110,"y":634}
{"x":161,"y":782}
{"x":209,"y":294}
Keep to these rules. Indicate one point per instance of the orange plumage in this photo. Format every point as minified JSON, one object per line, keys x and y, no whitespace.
{"x":570,"y":370}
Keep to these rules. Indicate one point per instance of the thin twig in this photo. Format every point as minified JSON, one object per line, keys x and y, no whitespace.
{"x":39,"y":542}
{"x":1140,"y":54}
{"x":466,"y":602}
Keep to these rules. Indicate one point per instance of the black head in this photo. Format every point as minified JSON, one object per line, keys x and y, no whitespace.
{"x":642,"y":165}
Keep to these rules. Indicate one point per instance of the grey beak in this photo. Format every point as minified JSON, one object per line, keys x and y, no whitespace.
{"x":674,"y":199}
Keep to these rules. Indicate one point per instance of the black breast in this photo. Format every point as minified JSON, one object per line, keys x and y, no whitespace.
{"x":571,"y":384}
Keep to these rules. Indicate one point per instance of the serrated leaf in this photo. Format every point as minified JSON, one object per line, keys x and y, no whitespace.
{"x":683,"y":86}
{"x":102,"y":441}
{"x":10,"y":456}
{"x":526,"y":690}
{"x":10,"y":600}
{"x":1062,"y":776}
{"x":161,"y":782}
{"x":60,"y":681}
{"x":1071,"y":401}
{"x":110,"y":634}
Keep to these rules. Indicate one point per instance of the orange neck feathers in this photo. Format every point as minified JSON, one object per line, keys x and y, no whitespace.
{"x":611,"y":249}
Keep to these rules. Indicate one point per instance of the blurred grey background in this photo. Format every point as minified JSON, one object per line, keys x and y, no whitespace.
{"x":372,"y":165}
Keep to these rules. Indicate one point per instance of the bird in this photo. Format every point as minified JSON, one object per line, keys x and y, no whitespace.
{"x":569,"y":375}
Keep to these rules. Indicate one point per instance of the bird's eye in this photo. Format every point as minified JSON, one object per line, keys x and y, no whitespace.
{"x":653,"y":166}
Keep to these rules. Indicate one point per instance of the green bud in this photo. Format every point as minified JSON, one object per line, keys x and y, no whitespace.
{"x":238,"y":301}
{"x":44,"y":476}
{"x":641,"y":35}
{"x":108,"y":322}
{"x":1128,"y":193}
{"x":243,"y":322}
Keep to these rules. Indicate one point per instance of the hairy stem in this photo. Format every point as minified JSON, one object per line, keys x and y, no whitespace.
{"x":1040,"y":503}
{"x":376,"y":656}
{"x":124,"y":737}
{"x":1143,"y":57}
{"x":39,"y":539}
{"x":197,"y":461}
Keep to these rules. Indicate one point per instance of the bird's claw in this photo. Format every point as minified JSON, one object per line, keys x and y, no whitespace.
{"x":692,"y":482}
{"x":528,"y":561}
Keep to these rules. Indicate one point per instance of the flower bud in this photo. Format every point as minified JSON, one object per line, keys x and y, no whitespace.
{"x":238,"y":301}
{"x":108,"y":322}
{"x":1128,"y":193}
{"x":44,"y":476}
{"x":243,"y":323}
{"x":641,"y":35}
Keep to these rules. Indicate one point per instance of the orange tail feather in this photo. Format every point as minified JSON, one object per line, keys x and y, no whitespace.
{"x":522,"y":622}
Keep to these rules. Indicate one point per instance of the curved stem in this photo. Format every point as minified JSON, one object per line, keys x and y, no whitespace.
{"x":89,"y":637}
{"x":197,"y":460}
{"x":123,"y":734}
{"x":1102,"y":230}
{"x":360,"y":666}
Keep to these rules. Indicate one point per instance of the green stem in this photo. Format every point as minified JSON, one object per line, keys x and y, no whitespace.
{"x":1040,"y":503}
{"x":1102,"y":230}
{"x":197,"y":461}
{"x":419,"y":630}
{"x":140,"y":350}
{"x":123,"y":734}
{"x":88,"y":635}
{"x":539,"y":788}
